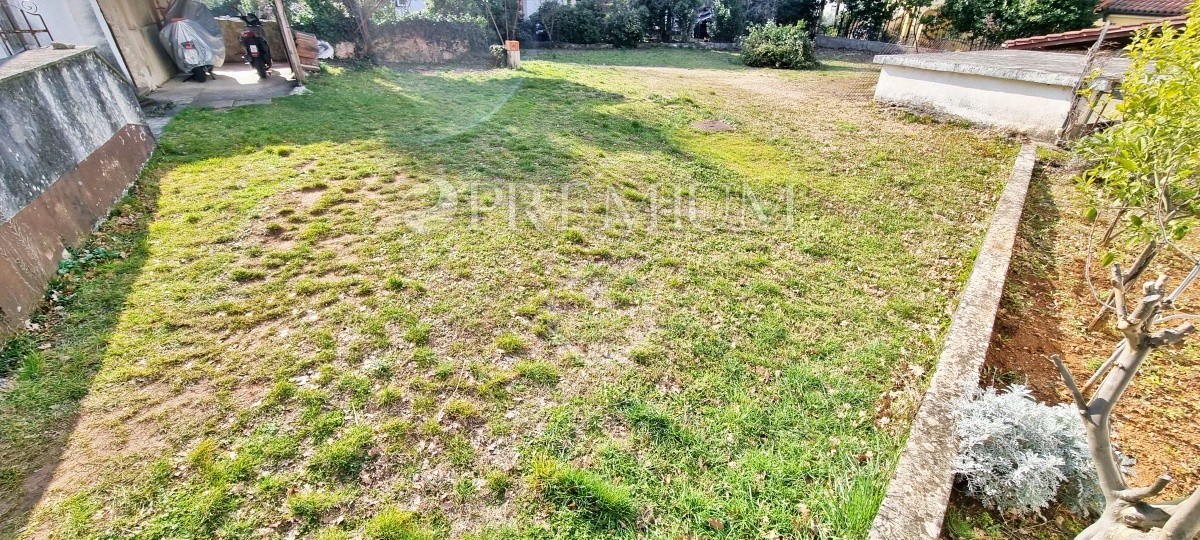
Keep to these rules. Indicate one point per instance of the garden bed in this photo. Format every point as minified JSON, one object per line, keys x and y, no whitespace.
{"x":499,"y":304}
{"x":1046,"y":307}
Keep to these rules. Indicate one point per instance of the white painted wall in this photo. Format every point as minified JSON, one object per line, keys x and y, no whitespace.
{"x":1032,"y":108}
{"x":79,"y":22}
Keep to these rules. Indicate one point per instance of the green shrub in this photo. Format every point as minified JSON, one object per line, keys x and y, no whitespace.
{"x":774,"y":46}
{"x":623,"y":26}
{"x":729,"y":25}
{"x":581,"y":23}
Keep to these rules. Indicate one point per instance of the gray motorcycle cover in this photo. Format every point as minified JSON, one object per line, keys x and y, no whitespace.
{"x":197,"y":25}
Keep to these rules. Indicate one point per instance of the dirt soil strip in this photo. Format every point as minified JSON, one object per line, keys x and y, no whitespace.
{"x":916,"y":499}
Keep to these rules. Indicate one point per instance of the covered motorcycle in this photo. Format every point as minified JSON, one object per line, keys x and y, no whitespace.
{"x":193,"y":38}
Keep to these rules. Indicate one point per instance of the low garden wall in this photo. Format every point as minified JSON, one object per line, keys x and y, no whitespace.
{"x":712,"y":46}
{"x":76,"y":140}
{"x":915,"y":504}
{"x":877,"y":47}
{"x":429,"y":41}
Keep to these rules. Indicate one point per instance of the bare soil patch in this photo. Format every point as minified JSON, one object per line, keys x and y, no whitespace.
{"x":1046,"y":307}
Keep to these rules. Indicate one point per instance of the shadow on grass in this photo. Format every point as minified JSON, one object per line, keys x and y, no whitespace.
{"x":434,"y":124}
{"x":50,"y":377}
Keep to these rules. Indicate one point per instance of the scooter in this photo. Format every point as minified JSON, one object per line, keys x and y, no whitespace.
{"x":254,"y":40}
{"x":193,"y":38}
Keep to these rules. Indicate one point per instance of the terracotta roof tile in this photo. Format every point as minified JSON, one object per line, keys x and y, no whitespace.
{"x":1087,"y":35}
{"x":1163,"y":8}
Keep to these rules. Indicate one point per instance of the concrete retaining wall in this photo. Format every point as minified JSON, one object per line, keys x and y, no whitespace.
{"x":1029,"y":92}
{"x":915,"y":504}
{"x":76,"y":140}
{"x":1038,"y":110}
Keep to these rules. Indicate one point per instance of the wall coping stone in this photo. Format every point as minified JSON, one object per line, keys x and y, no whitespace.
{"x":915,"y":504}
{"x":1042,"y":67}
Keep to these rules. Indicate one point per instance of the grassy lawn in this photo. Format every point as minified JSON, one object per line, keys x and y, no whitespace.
{"x":498,"y":304}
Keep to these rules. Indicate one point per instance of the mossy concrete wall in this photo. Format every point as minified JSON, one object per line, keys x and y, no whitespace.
{"x":74,"y":140}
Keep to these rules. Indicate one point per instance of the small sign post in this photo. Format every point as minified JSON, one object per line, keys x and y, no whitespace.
{"x":513,"y":50}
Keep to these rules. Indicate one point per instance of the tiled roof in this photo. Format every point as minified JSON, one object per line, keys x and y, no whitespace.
{"x":1087,"y":36}
{"x":1160,"y":8}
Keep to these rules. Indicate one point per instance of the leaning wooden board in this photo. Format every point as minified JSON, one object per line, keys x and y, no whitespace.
{"x":306,"y":47}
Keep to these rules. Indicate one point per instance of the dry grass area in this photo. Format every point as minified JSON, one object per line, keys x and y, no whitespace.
{"x":492,"y":304}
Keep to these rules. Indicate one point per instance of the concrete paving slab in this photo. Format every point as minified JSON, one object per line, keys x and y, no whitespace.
{"x":234,"y":85}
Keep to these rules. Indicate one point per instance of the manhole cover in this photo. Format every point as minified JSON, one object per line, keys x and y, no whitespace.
{"x":712,"y":125}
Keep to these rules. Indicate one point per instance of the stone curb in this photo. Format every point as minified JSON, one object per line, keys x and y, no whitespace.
{"x":917,"y":496}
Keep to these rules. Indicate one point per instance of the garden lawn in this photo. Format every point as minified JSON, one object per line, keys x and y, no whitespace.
{"x":504,"y":304}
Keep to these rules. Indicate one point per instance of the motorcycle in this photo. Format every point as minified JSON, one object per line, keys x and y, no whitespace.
{"x":193,"y":38}
{"x":254,"y":41}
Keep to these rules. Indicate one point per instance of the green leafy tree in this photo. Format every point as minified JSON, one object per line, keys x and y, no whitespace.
{"x":1150,"y":161}
{"x":729,"y":20}
{"x":662,"y":15}
{"x":997,"y":20}
{"x":624,"y":25}
{"x":867,"y":16}
{"x":789,"y":12}
{"x":1148,"y":164}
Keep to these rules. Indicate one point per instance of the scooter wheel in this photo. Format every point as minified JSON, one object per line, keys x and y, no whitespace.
{"x":200,"y":74}
{"x":261,"y":67}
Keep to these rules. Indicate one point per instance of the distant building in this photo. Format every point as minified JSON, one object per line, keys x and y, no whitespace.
{"x":1126,"y":12}
{"x":1080,"y":40}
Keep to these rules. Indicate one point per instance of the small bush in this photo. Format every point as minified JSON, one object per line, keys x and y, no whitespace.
{"x":774,"y":46}
{"x":1018,"y":455}
{"x":623,"y":26}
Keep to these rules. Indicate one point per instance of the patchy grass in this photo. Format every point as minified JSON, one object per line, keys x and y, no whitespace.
{"x":374,"y":291}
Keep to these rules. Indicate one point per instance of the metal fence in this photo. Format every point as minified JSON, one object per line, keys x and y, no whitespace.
{"x":21,"y":27}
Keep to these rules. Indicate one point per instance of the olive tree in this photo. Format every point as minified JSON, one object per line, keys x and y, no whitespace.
{"x":1149,"y":164}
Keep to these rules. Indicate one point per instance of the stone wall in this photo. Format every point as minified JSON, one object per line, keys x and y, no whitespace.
{"x":420,"y":49}
{"x":877,"y":47}
{"x":75,"y":139}
{"x":421,"y":40}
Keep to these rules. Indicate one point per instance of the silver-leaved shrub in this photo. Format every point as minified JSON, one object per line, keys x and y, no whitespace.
{"x":1018,"y":455}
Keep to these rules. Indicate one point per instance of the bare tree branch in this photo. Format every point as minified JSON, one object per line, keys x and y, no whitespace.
{"x":1185,"y":521}
{"x":1140,"y":494}
{"x":1080,"y":402}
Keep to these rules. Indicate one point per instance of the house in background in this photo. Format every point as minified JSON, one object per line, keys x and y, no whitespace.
{"x":1117,"y":37}
{"x":1127,"y":12}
